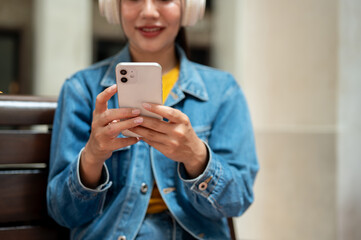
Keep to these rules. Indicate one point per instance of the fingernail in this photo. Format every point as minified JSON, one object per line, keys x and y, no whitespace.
{"x":146,"y":105}
{"x":138,"y":120}
{"x":135,"y":111}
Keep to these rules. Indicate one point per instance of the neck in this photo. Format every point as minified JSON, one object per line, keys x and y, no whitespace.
{"x":166,"y":58}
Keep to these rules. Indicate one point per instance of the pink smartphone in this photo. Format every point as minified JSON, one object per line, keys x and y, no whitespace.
{"x":139,"y":82}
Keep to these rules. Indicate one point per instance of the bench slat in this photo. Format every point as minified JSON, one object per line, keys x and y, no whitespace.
{"x":24,"y":156}
{"x":26,"y":110}
{"x":42,"y":232}
{"x":22,"y":196}
{"x":24,"y":147}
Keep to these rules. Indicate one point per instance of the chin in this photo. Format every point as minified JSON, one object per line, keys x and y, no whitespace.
{"x":152,"y":48}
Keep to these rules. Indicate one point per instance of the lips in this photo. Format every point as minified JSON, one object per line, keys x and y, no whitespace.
{"x":150,"y":31}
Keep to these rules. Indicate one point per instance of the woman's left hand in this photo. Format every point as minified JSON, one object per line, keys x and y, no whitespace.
{"x":176,"y":139}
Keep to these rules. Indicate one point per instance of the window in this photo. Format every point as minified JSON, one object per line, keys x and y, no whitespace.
{"x":9,"y":61}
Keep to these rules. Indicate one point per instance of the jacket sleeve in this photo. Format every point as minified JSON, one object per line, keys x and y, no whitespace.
{"x":69,"y":202}
{"x":225,"y":188}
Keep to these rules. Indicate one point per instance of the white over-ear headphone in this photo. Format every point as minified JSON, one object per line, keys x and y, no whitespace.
{"x":192,"y":10}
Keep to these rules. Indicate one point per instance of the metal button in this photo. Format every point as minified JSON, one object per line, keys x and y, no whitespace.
{"x":122,"y":238}
{"x":202,"y":186}
{"x":144,"y":188}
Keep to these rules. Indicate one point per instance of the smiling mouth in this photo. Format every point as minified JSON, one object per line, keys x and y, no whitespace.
{"x":150,"y":31}
{"x":155,"y":29}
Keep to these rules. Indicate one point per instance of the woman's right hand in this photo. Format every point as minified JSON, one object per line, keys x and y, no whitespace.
{"x":103,"y":140}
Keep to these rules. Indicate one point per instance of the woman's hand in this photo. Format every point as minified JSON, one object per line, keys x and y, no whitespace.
{"x":176,"y":139}
{"x":103,"y":140}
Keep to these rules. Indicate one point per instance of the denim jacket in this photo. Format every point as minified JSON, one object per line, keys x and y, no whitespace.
{"x":219,"y":115}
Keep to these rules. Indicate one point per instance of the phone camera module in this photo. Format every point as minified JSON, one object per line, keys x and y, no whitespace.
{"x":124,"y":80}
{"x":123,"y":72}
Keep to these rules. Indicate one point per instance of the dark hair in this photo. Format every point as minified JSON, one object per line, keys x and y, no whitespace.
{"x":181,"y":40}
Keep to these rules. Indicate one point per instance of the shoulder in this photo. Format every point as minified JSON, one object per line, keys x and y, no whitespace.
{"x":216,"y":80}
{"x":88,"y":81}
{"x":83,"y":86}
{"x":94,"y":73}
{"x":211,"y":74}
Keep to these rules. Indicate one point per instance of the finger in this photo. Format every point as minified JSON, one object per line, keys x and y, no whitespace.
{"x":123,"y":142}
{"x":117,"y":114}
{"x":156,"y":125}
{"x":157,"y":145}
{"x":173,"y":115}
{"x":101,"y":103}
{"x":150,"y":134}
{"x":114,"y":128}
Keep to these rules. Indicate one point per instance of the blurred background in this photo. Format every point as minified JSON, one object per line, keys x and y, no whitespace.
{"x":299,"y":64}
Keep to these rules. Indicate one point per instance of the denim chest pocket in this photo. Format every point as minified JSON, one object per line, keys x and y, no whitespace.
{"x":203,"y":132}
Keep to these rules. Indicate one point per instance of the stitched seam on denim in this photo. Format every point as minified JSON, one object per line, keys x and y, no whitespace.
{"x":216,"y":206}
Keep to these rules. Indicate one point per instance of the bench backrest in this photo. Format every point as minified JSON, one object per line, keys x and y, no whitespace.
{"x":25,"y":132}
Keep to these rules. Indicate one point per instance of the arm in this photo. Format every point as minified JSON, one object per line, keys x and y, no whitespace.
{"x":76,"y":191}
{"x":225,"y":188}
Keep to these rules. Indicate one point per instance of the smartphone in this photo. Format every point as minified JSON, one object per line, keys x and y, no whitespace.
{"x":139,"y":82}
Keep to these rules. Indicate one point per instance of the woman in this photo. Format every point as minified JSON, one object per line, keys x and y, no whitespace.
{"x":184,"y":176}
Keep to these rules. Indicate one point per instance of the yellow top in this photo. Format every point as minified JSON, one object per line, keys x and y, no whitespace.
{"x":168,"y":81}
{"x":156,"y":203}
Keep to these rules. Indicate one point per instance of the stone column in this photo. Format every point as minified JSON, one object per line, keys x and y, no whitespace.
{"x":63,"y":42}
{"x":349,"y":119}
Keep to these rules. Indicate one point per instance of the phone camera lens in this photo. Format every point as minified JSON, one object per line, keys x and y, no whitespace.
{"x":123,"y":72}
{"x":124,"y":80}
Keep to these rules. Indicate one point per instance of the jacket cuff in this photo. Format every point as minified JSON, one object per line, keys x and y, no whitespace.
{"x":206,"y":182}
{"x":78,"y":188}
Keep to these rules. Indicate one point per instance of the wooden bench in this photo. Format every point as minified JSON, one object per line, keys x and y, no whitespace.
{"x":25,"y":133}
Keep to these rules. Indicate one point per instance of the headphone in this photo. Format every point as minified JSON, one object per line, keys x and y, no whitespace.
{"x":193,"y":10}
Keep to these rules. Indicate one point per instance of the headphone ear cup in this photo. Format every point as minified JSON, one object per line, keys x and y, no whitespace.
{"x":110,"y":10}
{"x":193,"y":10}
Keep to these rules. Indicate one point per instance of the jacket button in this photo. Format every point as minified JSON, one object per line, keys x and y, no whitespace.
{"x":203,"y":186}
{"x":144,"y":188}
{"x":122,"y":238}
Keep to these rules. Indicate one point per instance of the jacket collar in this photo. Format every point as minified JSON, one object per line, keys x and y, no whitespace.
{"x":189,"y":82}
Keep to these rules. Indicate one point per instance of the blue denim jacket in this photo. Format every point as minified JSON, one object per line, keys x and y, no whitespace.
{"x":219,"y":115}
